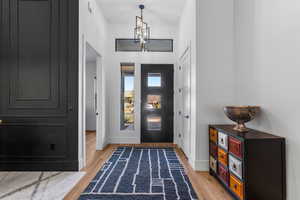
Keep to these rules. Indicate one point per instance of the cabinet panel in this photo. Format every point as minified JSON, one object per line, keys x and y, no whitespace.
{"x":236,"y":166}
{"x":33,"y":141}
{"x":235,"y":147}
{"x":39,"y":85}
{"x":237,"y":187}
{"x":213,"y":135}
{"x":213,"y":164}
{"x":224,"y":174}
{"x":222,"y":157}
{"x":223,"y":140}
{"x":214,"y":150}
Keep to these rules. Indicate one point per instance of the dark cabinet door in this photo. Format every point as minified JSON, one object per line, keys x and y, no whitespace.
{"x":38,"y":85}
{"x":157,"y":103}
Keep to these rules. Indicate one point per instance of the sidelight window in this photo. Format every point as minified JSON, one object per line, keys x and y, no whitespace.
{"x":127,"y":96}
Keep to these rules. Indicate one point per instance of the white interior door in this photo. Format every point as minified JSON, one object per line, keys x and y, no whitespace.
{"x":186,"y":101}
{"x":179,"y":111}
{"x":99,"y":105}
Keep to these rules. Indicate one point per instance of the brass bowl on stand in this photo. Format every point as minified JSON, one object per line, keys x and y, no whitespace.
{"x":241,"y":115}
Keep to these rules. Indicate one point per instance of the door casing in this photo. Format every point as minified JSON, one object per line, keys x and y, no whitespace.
{"x":185,"y":101}
{"x":100,"y":121}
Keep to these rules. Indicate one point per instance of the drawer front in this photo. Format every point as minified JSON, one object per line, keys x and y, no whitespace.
{"x":224,"y":174}
{"x":223,"y":140}
{"x":237,"y":187}
{"x":236,"y":166}
{"x":235,"y":147}
{"x":213,"y":164}
{"x":213,"y":135}
{"x":214,"y":150}
{"x":222,"y":157}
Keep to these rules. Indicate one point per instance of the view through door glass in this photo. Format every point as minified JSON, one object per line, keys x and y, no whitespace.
{"x":157,"y":103}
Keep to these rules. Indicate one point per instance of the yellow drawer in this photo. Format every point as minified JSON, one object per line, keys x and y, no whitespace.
{"x":222,"y":157}
{"x":213,"y":135}
{"x":237,"y":186}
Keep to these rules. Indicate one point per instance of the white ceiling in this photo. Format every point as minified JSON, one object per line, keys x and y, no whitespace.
{"x":124,"y":11}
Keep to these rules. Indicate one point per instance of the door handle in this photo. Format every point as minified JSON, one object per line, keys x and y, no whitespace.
{"x":1,"y":121}
{"x":187,"y":116}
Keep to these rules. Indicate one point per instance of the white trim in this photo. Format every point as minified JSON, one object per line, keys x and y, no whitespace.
{"x":101,"y":129}
{"x":124,"y":140}
{"x":187,"y":54}
{"x":81,"y":102}
{"x":100,"y":132}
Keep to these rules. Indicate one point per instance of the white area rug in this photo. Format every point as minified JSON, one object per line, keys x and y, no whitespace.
{"x":37,"y":185}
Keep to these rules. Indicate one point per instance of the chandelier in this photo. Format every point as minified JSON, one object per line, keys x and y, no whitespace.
{"x":142,"y":30}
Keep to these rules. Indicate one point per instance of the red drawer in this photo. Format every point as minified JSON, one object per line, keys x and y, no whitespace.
{"x":235,"y":147}
{"x":214,"y":150}
{"x":224,"y":174}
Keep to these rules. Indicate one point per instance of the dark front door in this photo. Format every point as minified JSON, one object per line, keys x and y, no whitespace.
{"x":157,"y":103}
{"x":38,"y":85}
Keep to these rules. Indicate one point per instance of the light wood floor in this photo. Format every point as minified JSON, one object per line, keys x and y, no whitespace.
{"x":206,"y":187}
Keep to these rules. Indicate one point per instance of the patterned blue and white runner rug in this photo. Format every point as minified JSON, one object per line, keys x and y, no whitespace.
{"x":134,"y":173}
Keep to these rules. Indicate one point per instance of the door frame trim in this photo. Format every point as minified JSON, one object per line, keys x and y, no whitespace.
{"x":100,"y":121}
{"x":187,"y":51}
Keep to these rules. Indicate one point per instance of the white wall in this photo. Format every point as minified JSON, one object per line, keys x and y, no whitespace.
{"x":115,"y":58}
{"x":268,"y":68}
{"x":208,"y":25}
{"x":92,"y":30}
{"x":214,"y":71}
{"x":90,"y":120}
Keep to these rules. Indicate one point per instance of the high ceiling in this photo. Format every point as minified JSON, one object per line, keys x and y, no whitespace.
{"x":124,"y":11}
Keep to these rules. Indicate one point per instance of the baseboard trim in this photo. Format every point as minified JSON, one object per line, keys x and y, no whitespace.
{"x":200,"y":165}
{"x":124,"y":140}
{"x":39,"y":165}
{"x":104,"y":145}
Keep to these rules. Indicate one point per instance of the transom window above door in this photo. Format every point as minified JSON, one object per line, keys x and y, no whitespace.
{"x":153,"y":45}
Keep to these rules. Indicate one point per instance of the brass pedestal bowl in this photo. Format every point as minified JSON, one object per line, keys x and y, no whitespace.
{"x":241,"y":115}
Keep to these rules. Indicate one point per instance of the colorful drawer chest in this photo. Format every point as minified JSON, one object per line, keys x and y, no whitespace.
{"x":251,"y":165}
